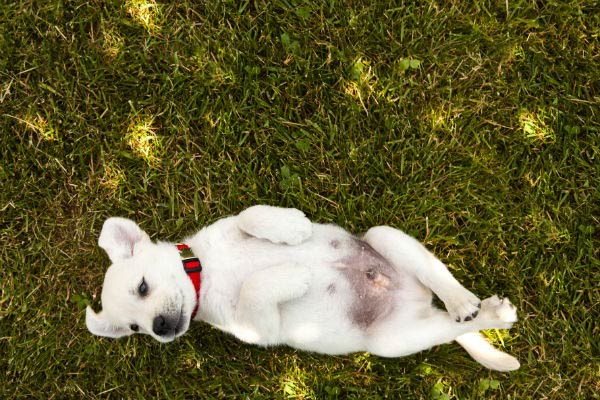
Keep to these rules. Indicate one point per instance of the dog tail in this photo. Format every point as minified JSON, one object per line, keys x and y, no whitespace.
{"x":487,"y":355}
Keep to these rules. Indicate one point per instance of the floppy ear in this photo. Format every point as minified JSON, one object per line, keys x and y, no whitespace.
{"x":98,"y":325}
{"x":119,"y":236}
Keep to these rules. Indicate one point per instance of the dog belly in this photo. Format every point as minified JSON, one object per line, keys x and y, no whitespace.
{"x":347,"y":297}
{"x":374,"y":284}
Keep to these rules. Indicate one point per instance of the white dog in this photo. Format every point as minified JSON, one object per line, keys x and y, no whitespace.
{"x":269,"y":276}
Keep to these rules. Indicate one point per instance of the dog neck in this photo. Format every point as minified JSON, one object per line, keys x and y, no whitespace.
{"x":192,"y":267}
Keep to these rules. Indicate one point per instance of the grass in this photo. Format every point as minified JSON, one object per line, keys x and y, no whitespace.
{"x":473,"y":127}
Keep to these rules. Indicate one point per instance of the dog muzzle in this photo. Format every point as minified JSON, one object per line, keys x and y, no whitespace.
{"x":192,"y":267}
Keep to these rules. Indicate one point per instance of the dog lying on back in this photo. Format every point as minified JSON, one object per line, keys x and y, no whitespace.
{"x":269,"y":276}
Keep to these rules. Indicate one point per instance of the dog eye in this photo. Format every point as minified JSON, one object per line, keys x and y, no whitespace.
{"x":134,"y":327}
{"x":143,"y":288}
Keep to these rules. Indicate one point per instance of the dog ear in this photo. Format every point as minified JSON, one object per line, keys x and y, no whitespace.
{"x":98,"y":325}
{"x":119,"y":237}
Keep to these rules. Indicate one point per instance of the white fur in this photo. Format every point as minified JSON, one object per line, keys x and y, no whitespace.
{"x":270,"y":277}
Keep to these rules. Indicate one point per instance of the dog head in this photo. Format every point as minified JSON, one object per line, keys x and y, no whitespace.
{"x":145,"y":290}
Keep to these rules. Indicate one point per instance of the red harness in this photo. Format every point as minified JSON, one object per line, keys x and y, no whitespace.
{"x":192,"y":266}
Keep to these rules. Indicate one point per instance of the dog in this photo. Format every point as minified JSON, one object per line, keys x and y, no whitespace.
{"x":270,"y":276}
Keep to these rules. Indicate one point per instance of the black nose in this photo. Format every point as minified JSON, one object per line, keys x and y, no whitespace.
{"x":161,"y":326}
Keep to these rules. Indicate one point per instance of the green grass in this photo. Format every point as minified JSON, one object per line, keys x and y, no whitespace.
{"x":473,"y":128}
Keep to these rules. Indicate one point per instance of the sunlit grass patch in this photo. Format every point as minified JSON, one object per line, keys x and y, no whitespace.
{"x":500,"y":337}
{"x":440,"y":118}
{"x":362,"y":72}
{"x":353,"y":90}
{"x":293,"y":384}
{"x":534,"y":126}
{"x":5,"y":89}
{"x":362,"y":81}
{"x":112,"y":177}
{"x":112,"y":41}
{"x":40,"y":126}
{"x":143,"y":140}
{"x":145,"y":12}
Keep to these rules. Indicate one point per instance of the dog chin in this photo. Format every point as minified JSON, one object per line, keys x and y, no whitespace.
{"x":171,"y":337}
{"x":164,"y":339}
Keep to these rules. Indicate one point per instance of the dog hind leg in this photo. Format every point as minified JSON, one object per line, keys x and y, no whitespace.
{"x":409,"y":255}
{"x":398,"y":336}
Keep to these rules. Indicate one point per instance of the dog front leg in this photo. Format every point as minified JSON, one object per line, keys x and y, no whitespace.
{"x":257,"y":318}
{"x":278,"y":225}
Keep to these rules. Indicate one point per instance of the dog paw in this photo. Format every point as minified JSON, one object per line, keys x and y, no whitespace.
{"x":299,"y":231}
{"x":462,"y":305}
{"x":500,"y":311}
{"x":303,"y":282}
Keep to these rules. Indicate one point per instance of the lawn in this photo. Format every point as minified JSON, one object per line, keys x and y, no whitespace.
{"x":475,"y":128}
